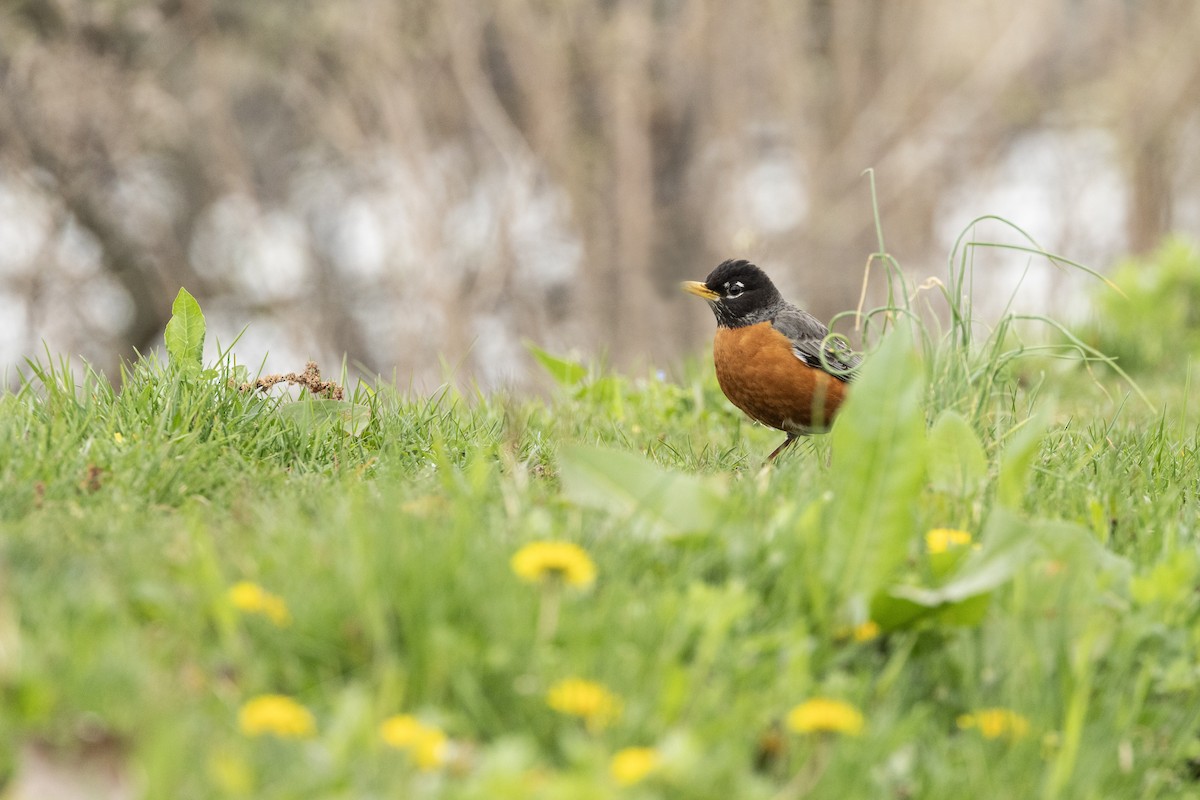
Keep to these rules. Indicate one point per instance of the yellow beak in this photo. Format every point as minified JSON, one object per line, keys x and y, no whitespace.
{"x":700,"y":290}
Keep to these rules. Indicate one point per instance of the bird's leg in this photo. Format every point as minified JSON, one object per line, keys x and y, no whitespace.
{"x":791,"y":437}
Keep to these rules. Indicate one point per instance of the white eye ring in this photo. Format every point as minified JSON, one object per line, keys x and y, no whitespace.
{"x":735,"y":290}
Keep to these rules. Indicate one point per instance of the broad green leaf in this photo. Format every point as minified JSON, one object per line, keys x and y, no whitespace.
{"x":1075,"y":545}
{"x":312,"y":413}
{"x":1006,"y":543}
{"x":957,"y":462}
{"x":966,"y":613}
{"x":879,"y":454}
{"x":1016,"y":461}
{"x":1009,"y":544}
{"x":185,"y":332}
{"x":670,"y":503}
{"x":891,"y":611}
{"x":564,"y":372}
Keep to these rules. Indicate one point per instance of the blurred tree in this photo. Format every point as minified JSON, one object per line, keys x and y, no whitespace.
{"x":399,"y":180}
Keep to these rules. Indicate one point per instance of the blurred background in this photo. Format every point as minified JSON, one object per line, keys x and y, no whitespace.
{"x":422,"y":186}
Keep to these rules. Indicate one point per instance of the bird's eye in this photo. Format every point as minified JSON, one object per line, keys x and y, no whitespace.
{"x":735,"y":289}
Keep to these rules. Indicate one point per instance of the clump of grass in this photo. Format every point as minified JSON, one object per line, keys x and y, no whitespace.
{"x":163,"y":437}
{"x":976,"y":375}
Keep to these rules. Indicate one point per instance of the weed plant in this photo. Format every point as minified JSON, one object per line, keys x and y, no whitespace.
{"x":961,"y":591}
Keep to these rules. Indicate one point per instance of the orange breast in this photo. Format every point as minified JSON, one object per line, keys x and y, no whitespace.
{"x":761,"y":375}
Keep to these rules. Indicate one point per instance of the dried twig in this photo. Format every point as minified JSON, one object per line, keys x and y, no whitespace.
{"x":310,"y":379}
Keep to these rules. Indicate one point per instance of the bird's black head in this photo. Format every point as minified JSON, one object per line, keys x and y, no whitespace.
{"x":738,"y":292}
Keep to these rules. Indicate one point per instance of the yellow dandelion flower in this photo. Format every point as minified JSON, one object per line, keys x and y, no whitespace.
{"x":940,"y":540}
{"x":118,"y":437}
{"x":277,"y":715}
{"x":426,"y":744}
{"x":823,"y":714}
{"x":401,"y":731}
{"x":250,"y":598}
{"x":866,"y":631}
{"x":633,"y":764}
{"x":541,"y":561}
{"x":994,"y":723}
{"x":587,"y":699}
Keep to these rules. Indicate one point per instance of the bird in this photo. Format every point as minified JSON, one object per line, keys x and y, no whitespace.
{"x":774,"y":361}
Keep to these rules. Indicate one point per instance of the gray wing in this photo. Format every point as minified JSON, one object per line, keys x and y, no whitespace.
{"x":807,"y":335}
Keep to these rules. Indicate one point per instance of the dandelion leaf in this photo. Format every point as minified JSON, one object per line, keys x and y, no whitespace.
{"x":1016,"y":462}
{"x":892,"y":611}
{"x":957,"y":462}
{"x":878,"y":469}
{"x":670,"y":503}
{"x":564,"y":371}
{"x":1009,"y":544}
{"x":185,"y":332}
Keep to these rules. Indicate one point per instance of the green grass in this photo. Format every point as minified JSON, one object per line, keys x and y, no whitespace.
{"x":726,"y":594}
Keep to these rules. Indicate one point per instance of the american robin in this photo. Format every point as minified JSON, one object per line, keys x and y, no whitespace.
{"x":773,"y":360}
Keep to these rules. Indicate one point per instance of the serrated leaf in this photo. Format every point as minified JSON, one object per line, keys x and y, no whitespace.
{"x":669,"y":503}
{"x":879,"y":454}
{"x":957,"y":462}
{"x":564,"y":371}
{"x":185,"y":332}
{"x":313,"y":413}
